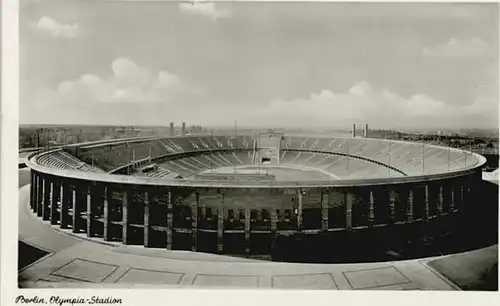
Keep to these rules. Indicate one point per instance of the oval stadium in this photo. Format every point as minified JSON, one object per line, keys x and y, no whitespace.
{"x":330,"y":199}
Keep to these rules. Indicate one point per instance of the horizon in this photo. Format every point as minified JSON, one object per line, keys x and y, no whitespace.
{"x":348,"y":129}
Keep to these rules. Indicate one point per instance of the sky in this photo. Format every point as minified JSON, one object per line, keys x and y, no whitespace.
{"x":272,"y":64}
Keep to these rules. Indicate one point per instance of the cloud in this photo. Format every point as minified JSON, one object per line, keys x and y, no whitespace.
{"x":53,"y":28}
{"x":365,"y":104}
{"x":206,"y":9}
{"x":128,"y":83}
{"x":132,"y":93}
{"x":361,"y":88}
{"x":456,"y":48}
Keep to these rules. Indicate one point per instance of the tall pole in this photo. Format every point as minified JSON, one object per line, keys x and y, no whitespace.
{"x":234,"y":148}
{"x":423,"y":157}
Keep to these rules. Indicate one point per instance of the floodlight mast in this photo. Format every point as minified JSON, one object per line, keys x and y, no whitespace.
{"x":234,"y":148}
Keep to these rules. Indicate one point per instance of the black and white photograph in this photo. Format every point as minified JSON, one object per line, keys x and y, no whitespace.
{"x":257,"y":145}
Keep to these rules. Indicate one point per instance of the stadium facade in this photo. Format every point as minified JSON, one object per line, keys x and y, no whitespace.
{"x":239,"y":194}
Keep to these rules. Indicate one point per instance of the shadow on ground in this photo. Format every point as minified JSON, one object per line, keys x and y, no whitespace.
{"x":28,"y":255}
{"x":475,"y":227}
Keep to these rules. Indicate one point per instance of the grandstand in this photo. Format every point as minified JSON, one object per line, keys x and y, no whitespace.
{"x":239,"y":193}
{"x":344,"y":158}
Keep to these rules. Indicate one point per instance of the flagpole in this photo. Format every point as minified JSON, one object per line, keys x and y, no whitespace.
{"x":423,"y":157}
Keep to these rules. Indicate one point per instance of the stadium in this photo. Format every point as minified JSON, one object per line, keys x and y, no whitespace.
{"x":262,"y":194}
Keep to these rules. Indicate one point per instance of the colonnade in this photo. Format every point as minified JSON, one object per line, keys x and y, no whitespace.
{"x":89,"y":208}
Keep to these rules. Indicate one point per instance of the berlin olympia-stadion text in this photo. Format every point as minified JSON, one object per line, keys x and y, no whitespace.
{"x":57,"y":300}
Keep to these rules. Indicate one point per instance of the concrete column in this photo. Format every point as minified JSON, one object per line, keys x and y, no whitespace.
{"x":169,"y":219}
{"x":41,"y":197}
{"x":76,"y":211}
{"x":274,"y":226}
{"x":46,"y":200}
{"x":194,"y":220}
{"x":37,"y":194}
{"x":452,"y":199}
{"x":409,"y":207}
{"x":324,"y":211}
{"x":34,"y":192}
{"x":39,"y":208}
{"x":125,"y":224}
{"x":348,"y":209}
{"x":371,"y":209}
{"x":247,"y":229}
{"x":462,"y":198}
{"x":90,"y":212}
{"x":426,"y":203}
{"x":54,"y":195}
{"x":106,"y":214}
{"x":63,"y":195}
{"x":439,"y":207}
{"x":32,"y":189}
{"x":392,"y":205}
{"x":299,"y":210}
{"x":147,"y":220}
{"x":50,"y":186}
{"x":220,"y":225}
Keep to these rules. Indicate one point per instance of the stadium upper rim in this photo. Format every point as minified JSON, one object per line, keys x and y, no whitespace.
{"x":32,"y":163}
